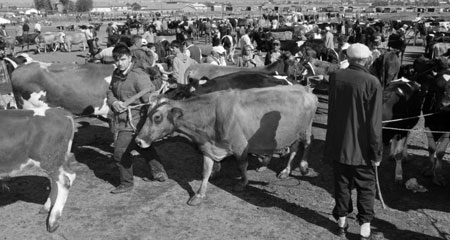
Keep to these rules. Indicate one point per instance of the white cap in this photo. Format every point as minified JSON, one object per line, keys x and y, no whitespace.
{"x":327,"y":28}
{"x":359,"y":51}
{"x":144,"y":42}
{"x":218,"y":49}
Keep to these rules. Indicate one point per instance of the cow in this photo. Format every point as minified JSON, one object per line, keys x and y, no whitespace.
{"x":237,"y":80}
{"x":80,"y":89}
{"x":30,"y":38}
{"x":41,"y":138}
{"x":229,"y":44}
{"x":75,"y":38}
{"x":53,"y":39}
{"x":402,"y":105}
{"x":8,"y":43}
{"x":236,"y":122}
{"x":440,"y":49}
{"x":285,"y":66}
{"x":436,"y":108}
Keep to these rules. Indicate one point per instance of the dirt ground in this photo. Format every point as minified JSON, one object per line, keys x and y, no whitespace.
{"x":295,"y":208}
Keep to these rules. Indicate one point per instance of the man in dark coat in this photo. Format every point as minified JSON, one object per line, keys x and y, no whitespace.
{"x":353,"y":141}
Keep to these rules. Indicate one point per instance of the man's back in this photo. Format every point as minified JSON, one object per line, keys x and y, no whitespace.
{"x":355,"y":98}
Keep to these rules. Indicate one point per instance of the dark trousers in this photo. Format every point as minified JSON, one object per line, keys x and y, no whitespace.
{"x":90,"y":44}
{"x":346,"y":178}
{"x":122,"y":156}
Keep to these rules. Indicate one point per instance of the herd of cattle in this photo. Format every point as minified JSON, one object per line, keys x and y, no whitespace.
{"x":263,"y":112}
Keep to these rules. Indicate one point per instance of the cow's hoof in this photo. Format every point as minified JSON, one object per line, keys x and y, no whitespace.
{"x":261,"y":169}
{"x":283,"y":175}
{"x":310,"y":172}
{"x":43,"y":211}
{"x":439,"y":180}
{"x":240,"y":187}
{"x":52,"y":228}
{"x":399,"y":180}
{"x":196,"y":200}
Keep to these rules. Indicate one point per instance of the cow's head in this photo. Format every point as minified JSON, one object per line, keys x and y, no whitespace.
{"x":161,"y":121}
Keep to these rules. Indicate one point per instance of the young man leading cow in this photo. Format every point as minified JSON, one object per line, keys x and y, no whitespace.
{"x":127,"y":81}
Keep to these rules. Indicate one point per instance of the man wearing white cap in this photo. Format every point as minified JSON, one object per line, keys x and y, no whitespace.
{"x":217,"y":56}
{"x":329,"y":38}
{"x":354,"y":141}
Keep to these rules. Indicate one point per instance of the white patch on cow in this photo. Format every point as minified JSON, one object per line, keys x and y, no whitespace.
{"x":14,"y":64}
{"x":62,"y":194}
{"x":312,"y":68}
{"x":280,"y":77}
{"x":446,"y":77}
{"x":28,"y":164}
{"x":201,"y":82}
{"x":103,"y":110}
{"x":192,"y":89}
{"x":305,"y":72}
{"x":300,"y":43}
{"x":108,"y":79}
{"x":434,"y":73}
{"x":44,"y":65}
{"x":36,"y":104}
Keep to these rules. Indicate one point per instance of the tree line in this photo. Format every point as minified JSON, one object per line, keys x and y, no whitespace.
{"x":69,"y":5}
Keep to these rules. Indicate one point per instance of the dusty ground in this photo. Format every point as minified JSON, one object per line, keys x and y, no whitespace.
{"x":295,"y":208}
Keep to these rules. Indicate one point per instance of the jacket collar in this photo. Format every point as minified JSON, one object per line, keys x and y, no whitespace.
{"x":358,"y":67}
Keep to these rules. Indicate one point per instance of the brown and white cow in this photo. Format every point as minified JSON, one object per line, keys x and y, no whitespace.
{"x":75,"y":38}
{"x":236,"y":122}
{"x":40,"y":138}
{"x":80,"y":89}
{"x":51,"y":39}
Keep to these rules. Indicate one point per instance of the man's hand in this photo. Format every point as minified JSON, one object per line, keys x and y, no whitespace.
{"x":119,"y":106}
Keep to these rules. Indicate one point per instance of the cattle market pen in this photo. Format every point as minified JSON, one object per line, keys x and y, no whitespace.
{"x":294,"y":208}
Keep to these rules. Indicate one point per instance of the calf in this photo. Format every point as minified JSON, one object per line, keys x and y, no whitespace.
{"x":52,"y":39}
{"x":74,"y":39}
{"x":41,"y":138}
{"x":402,"y":99}
{"x":236,"y":122}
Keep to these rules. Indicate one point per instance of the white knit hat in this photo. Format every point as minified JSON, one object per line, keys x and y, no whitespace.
{"x":359,"y":51}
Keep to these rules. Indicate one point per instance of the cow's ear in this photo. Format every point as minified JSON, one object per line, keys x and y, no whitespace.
{"x":174,"y":114}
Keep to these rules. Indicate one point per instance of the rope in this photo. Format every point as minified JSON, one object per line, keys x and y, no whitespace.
{"x":402,"y":119}
{"x":414,"y":130}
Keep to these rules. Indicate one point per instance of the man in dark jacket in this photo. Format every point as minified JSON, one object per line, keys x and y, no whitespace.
{"x":353,"y":140}
{"x":126,"y":82}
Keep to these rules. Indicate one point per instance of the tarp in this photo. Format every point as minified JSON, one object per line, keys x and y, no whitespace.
{"x":4,"y":21}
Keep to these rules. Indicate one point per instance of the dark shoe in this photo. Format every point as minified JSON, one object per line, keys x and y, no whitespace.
{"x":341,"y":231}
{"x":122,"y":188}
{"x":160,"y":177}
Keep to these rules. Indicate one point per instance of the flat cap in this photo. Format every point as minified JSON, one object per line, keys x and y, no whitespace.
{"x":359,"y":51}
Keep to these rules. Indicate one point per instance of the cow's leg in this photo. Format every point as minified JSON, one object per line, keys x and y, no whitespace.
{"x":443,"y":142}
{"x":287,"y":170}
{"x":201,"y":193}
{"x":58,"y":196}
{"x":428,"y":171}
{"x":243,"y":164}
{"x":398,"y":156}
